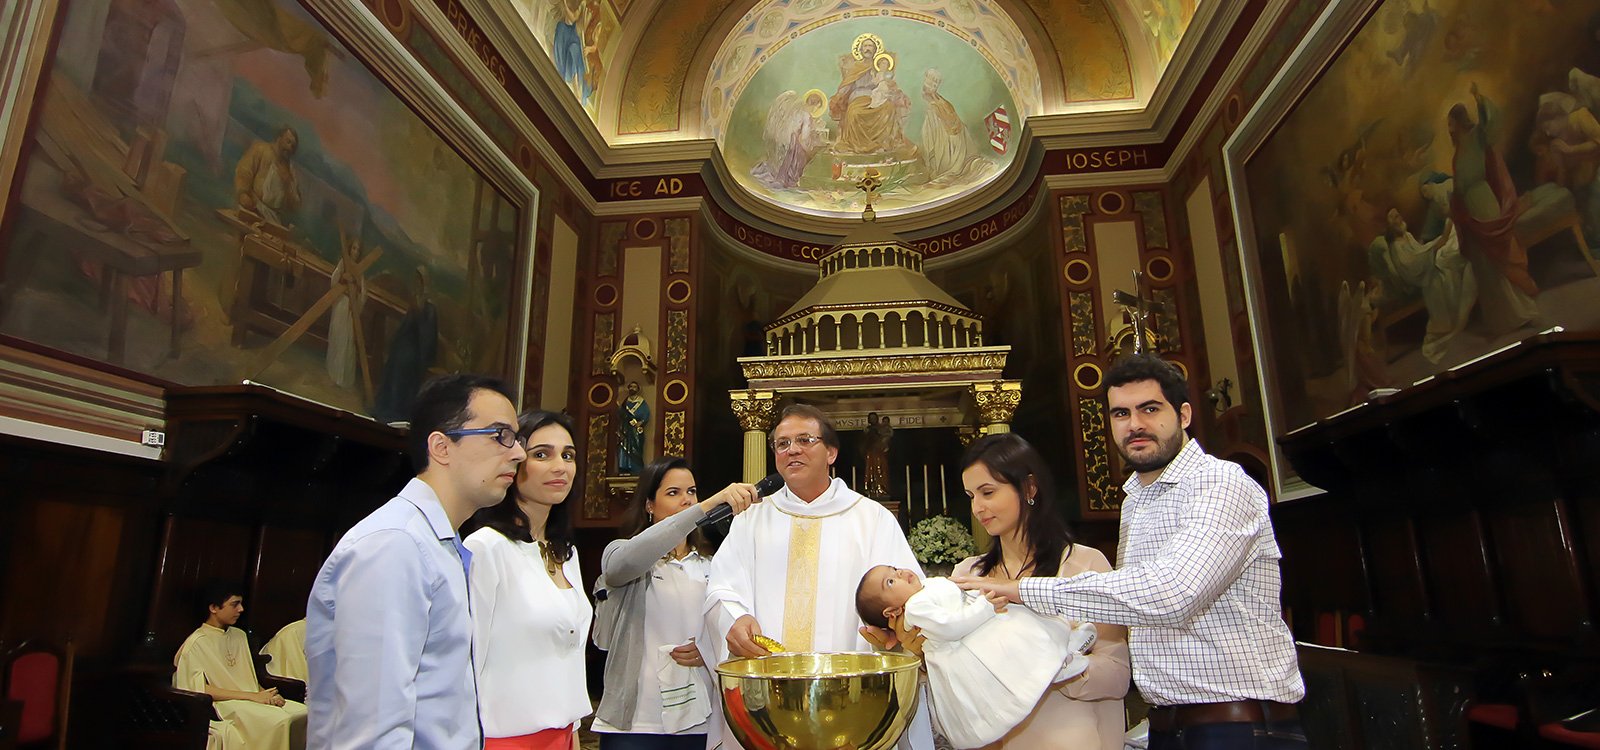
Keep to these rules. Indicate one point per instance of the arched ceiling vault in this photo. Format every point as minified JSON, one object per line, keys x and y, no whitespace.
{"x":758,"y":81}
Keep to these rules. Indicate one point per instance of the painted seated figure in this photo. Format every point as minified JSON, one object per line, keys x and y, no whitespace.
{"x":216,"y":660}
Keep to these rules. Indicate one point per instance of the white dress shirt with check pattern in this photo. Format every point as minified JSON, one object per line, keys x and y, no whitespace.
{"x":1197,"y":583}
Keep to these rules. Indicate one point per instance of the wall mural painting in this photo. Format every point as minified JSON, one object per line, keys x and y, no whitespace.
{"x":919,"y":106}
{"x":580,"y":37}
{"x":1400,"y":235}
{"x":1165,"y":21}
{"x":220,"y":190}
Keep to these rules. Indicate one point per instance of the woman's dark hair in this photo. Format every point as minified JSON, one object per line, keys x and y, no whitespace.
{"x":635,"y":520}
{"x":508,"y":519}
{"x":1013,"y":461}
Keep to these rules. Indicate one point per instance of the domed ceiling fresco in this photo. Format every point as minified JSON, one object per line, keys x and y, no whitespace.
{"x":918,"y":105}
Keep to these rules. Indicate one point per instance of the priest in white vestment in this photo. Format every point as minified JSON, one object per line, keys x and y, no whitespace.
{"x":789,"y":567}
{"x":217,"y":660}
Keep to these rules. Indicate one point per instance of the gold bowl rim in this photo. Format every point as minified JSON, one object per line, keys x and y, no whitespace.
{"x":913,"y":662}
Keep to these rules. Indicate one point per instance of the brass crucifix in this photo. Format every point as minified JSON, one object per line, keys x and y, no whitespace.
{"x":869,"y":183}
{"x":1141,"y":309}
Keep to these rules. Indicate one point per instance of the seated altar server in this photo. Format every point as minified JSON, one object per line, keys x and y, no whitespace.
{"x":789,"y":567}
{"x":288,"y":651}
{"x":216,"y":660}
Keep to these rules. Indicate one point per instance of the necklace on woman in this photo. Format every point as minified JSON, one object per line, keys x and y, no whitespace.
{"x":549,"y":557}
{"x":1007,"y":570}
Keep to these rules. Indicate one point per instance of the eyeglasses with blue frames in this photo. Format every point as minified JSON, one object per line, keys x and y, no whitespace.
{"x":804,"y":441}
{"x":505,"y":436}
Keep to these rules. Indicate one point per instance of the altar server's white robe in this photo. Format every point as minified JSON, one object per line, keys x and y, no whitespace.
{"x":288,"y":651}
{"x":795,"y":566}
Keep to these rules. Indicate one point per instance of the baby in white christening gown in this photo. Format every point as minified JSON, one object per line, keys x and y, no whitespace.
{"x":986,"y":669}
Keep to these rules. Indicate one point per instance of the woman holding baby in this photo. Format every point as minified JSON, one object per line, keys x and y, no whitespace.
{"x":1013,"y":496}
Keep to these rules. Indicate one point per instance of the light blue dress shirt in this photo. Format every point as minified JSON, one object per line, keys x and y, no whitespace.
{"x":389,"y":634}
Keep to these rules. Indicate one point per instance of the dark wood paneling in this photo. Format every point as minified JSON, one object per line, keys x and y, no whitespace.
{"x":1476,"y":500}
{"x":1322,"y":565}
{"x":1544,"y":598}
{"x":63,"y":560}
{"x":1360,"y":701}
{"x":286,"y":563}
{"x":1456,"y":565}
{"x":77,"y":529}
{"x":1399,"y":592}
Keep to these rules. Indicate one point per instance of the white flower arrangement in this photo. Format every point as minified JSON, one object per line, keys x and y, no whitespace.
{"x":941,"y":539}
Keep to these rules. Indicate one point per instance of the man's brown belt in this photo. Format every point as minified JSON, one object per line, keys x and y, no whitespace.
{"x":1172,"y":718}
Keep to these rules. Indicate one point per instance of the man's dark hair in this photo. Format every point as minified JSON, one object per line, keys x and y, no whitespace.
{"x":507,"y":517}
{"x":216,"y":592}
{"x":830,"y":437}
{"x":867,"y":603}
{"x":1133,"y":368}
{"x":442,"y":405}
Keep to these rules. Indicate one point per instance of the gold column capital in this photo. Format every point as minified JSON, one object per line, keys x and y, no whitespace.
{"x":756,"y":410}
{"x":997,"y":400}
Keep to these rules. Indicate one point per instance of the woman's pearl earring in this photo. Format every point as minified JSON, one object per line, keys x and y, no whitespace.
{"x":1030,"y":501}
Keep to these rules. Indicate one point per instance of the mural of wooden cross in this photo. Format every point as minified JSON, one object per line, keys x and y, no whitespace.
{"x":1141,"y":309}
{"x":315,"y":313}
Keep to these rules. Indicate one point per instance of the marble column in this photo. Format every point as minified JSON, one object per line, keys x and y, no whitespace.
{"x":756,"y":411}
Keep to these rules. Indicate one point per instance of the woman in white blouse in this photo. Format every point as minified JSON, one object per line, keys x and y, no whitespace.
{"x":529,"y":616}
{"x":658,"y":694}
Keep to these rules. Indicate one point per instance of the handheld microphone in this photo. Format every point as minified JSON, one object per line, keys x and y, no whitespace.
{"x":723,"y":512}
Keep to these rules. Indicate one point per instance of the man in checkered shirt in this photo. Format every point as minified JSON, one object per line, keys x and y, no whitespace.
{"x":1197,"y":579}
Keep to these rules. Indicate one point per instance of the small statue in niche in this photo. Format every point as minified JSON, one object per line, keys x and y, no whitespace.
{"x":1219,"y":397}
{"x":632,"y":416}
{"x":875,"y":449}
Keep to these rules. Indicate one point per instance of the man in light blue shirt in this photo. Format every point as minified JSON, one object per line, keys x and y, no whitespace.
{"x":388,"y":630}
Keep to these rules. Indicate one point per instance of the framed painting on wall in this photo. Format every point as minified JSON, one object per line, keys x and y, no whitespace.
{"x":1388,"y":237}
{"x":213,"y":191}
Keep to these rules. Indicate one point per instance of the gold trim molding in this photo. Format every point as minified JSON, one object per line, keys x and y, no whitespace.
{"x":765,"y":368}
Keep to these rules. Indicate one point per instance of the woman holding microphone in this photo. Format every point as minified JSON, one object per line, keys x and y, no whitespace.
{"x":651,"y":592}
